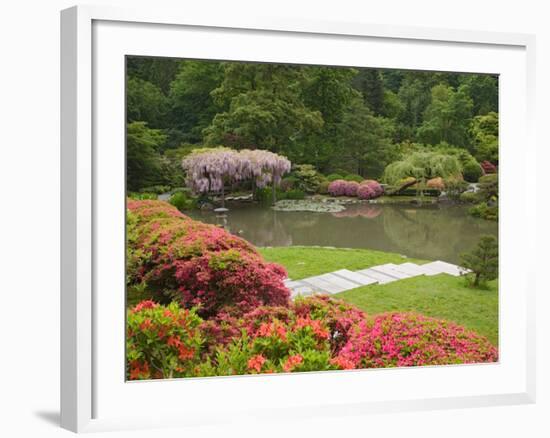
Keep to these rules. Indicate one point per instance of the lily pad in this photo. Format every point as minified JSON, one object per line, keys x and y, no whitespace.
{"x":308,"y":205}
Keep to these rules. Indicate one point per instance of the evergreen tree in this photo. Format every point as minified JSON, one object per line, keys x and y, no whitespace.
{"x":482,"y":261}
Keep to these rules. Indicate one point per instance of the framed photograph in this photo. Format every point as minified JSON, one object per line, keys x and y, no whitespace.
{"x":292,"y":218}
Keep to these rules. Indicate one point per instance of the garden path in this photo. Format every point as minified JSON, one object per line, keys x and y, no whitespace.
{"x":344,"y":279}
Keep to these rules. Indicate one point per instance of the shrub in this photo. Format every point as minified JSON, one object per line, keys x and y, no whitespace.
{"x":472,"y":171}
{"x":197,"y":264}
{"x":142,"y":196}
{"x":323,"y":188}
{"x":334,"y":177}
{"x":181,"y":201}
{"x":409,"y":339}
{"x":288,"y":183}
{"x":455,"y":187}
{"x":364,"y":191}
{"x":469,"y":197}
{"x":484,"y":211}
{"x":488,"y":167}
{"x":354,"y":177}
{"x":482,"y":261}
{"x":303,"y":337}
{"x":158,"y":189}
{"x":293,"y":194}
{"x":162,"y":341}
{"x":337,"y":187}
{"x":350,"y":188}
{"x":307,"y":178}
{"x":436,"y":183}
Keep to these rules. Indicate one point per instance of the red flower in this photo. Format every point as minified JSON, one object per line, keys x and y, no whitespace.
{"x":291,"y":362}
{"x":147,"y":304}
{"x":256,"y":362}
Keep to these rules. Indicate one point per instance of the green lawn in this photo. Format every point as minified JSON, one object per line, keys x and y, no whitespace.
{"x":306,"y":261}
{"x":441,"y":296}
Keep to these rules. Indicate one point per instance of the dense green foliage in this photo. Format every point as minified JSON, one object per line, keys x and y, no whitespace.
{"x":339,"y":120}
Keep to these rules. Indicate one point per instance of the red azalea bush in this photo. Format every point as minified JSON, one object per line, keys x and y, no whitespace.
{"x":337,"y":187}
{"x":197,"y":264}
{"x":488,"y":167}
{"x":409,"y":339}
{"x":162,"y":341}
{"x":303,"y":337}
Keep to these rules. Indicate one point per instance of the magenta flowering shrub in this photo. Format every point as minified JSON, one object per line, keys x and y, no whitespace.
{"x":488,"y":167}
{"x":364,"y":191}
{"x":350,"y":189}
{"x":369,"y":189}
{"x":337,"y":187}
{"x":409,"y":339}
{"x":197,"y":264}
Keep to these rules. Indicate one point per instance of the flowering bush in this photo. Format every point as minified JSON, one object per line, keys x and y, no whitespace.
{"x":337,"y":187}
{"x":436,"y":183}
{"x":369,"y":189}
{"x":488,"y":167}
{"x":408,"y":339}
{"x":162,"y":341}
{"x":364,"y":191}
{"x":314,"y":333}
{"x":197,"y":264}
{"x":350,"y":189}
{"x":302,"y":337}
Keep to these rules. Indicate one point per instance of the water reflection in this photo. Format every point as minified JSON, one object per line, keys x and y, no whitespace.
{"x":429,"y":232}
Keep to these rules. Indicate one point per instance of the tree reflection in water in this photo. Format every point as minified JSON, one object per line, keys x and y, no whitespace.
{"x":427,"y":232}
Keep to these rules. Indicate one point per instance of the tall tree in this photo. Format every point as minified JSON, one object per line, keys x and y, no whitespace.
{"x":484,"y":132}
{"x":145,"y":102}
{"x":447,"y":118}
{"x":371,"y":85}
{"x":192,"y":105}
{"x":143,"y":165}
{"x":364,"y":146}
{"x":483,"y":90}
{"x":265,"y":108}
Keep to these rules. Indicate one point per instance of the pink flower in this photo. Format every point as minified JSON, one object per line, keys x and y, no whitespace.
{"x":255,"y":363}
{"x":292,"y":362}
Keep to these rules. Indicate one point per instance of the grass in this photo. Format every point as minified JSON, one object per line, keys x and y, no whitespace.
{"x":306,"y":261}
{"x":440,"y":296}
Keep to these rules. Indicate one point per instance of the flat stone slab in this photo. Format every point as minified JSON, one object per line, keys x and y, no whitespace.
{"x":291,"y":284}
{"x":378,"y":276}
{"x":444,"y":268}
{"x":322,"y":285}
{"x":355,"y":277}
{"x":389,"y":269}
{"x":412,"y":269}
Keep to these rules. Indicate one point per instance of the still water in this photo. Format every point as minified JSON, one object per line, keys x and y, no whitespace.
{"x":439,"y":232}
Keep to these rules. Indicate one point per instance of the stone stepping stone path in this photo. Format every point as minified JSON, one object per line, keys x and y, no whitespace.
{"x":344,"y":279}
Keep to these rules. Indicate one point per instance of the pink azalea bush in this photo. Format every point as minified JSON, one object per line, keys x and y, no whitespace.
{"x":198,"y":265}
{"x":409,"y":339}
{"x":369,"y":189}
{"x":350,"y":189}
{"x":337,"y":187}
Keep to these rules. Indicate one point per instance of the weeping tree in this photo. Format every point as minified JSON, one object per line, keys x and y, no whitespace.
{"x":209,"y":170}
{"x":423,"y":166}
{"x":266,"y":168}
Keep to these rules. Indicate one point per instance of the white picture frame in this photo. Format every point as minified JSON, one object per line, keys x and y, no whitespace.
{"x":91,"y":387}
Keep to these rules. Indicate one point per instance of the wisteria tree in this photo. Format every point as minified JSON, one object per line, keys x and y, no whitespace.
{"x":266,"y":168}
{"x":208,"y":170}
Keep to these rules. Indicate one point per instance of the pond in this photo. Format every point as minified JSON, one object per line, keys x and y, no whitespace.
{"x":434,"y":232}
